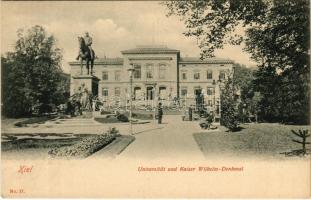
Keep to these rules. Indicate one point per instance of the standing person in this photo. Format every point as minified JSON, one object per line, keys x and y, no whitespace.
{"x":160,"y":113}
{"x":190,"y":113}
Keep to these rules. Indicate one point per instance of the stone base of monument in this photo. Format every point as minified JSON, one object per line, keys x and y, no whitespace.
{"x":90,"y":83}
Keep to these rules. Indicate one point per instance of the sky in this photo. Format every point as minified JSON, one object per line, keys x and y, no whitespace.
{"x":114,"y":26}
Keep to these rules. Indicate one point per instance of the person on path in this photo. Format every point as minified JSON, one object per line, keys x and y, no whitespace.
{"x":160,"y":113}
{"x":190,"y":113}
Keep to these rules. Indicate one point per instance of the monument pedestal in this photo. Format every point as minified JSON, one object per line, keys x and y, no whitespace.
{"x":90,"y":82}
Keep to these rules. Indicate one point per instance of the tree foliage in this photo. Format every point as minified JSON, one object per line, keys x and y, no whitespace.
{"x":31,"y":74}
{"x":243,"y":76}
{"x":276,"y":36}
{"x":249,"y":98}
{"x":214,"y":22}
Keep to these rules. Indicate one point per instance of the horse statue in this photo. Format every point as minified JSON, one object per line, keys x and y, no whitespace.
{"x":85,"y":54}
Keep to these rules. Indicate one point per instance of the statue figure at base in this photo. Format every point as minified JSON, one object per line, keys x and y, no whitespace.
{"x":86,"y":100}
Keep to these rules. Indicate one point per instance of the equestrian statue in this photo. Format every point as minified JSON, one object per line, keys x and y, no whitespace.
{"x":86,"y":52}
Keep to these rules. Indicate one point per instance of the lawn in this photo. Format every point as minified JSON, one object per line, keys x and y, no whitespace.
{"x":34,"y":120}
{"x":254,"y":140}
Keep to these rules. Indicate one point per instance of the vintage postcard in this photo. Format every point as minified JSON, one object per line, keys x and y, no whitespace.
{"x":155,"y":99}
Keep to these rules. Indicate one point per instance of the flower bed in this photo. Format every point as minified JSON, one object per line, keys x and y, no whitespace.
{"x":86,"y":147}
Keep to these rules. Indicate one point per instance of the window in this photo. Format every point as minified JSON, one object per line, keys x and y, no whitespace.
{"x":137,"y":93}
{"x":209,"y":74}
{"x":222,"y":75}
{"x":105,"y":92}
{"x":196,"y":75}
{"x":149,"y":71}
{"x":105,"y":75}
{"x":162,"y":92}
{"x":184,"y":75}
{"x":150,"y":93}
{"x":162,"y":71}
{"x":183,"y":92}
{"x":117,"y":91}
{"x":117,"y":75}
{"x":210,"y":91}
{"x":137,"y":72}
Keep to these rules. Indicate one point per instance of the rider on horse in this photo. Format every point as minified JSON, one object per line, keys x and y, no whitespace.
{"x":88,"y":42}
{"x":86,"y":52}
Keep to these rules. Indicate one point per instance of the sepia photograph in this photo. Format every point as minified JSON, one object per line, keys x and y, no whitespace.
{"x":155,"y":99}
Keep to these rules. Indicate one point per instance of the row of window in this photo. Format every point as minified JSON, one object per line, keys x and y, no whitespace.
{"x":117,"y":92}
{"x":149,"y":71}
{"x":117,"y":75}
{"x":198,"y":90}
{"x":162,"y":72}
{"x":209,"y":75}
{"x":137,"y":73}
{"x":184,"y":91}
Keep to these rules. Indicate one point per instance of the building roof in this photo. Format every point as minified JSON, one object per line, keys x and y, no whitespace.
{"x":150,"y":50}
{"x":196,"y":60}
{"x":103,"y":61}
{"x":183,"y":60}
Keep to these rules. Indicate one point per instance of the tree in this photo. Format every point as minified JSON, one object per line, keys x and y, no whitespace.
{"x":250,"y":99}
{"x":14,"y":100}
{"x":229,"y":112}
{"x":254,"y":104}
{"x":276,"y":36}
{"x":31,"y":73}
{"x":281,"y":44}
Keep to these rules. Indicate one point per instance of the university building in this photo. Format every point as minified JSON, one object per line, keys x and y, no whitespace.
{"x":160,"y":74}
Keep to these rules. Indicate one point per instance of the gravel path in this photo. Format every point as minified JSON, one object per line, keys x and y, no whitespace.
{"x":171,"y":140}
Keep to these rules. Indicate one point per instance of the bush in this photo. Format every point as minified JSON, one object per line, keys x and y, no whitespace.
{"x":104,"y":112}
{"x":229,"y":118}
{"x":122,"y":118}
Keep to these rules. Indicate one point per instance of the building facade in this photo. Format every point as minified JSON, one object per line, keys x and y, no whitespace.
{"x":161,"y":74}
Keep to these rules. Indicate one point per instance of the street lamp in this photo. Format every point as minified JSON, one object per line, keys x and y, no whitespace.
{"x":131,"y":70}
{"x":155,"y":102}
